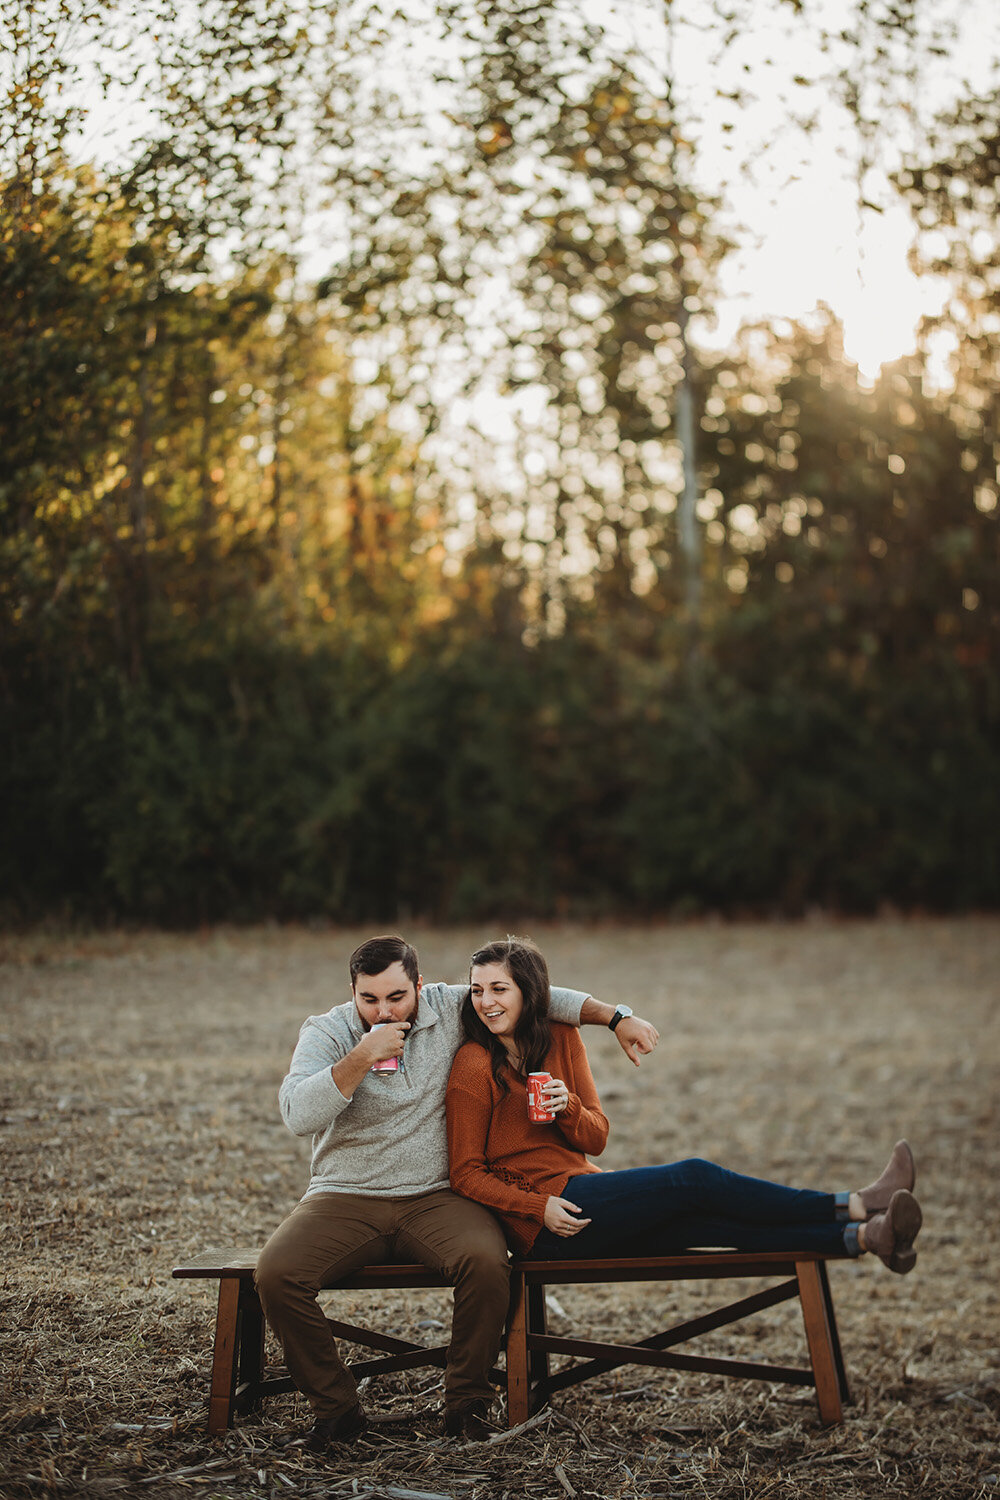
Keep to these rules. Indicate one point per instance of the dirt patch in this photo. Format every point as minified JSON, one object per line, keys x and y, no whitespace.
{"x":139,"y":1125}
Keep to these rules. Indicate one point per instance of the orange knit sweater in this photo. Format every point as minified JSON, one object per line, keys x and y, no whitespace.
{"x":498,"y":1157}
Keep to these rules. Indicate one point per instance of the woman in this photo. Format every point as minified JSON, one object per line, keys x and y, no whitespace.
{"x":555,"y":1203}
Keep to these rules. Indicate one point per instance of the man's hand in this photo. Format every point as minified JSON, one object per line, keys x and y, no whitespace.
{"x":636,"y":1037}
{"x":375,"y":1046}
{"x":384,"y":1040}
{"x":559,"y":1217}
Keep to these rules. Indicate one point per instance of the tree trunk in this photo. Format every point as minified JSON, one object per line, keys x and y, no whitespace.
{"x":688,"y":529}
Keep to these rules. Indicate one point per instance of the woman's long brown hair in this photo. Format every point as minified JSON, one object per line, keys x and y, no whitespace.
{"x":533,"y":1035}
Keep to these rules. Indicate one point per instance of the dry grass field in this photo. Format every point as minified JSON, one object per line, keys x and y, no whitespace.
{"x":139,"y":1079}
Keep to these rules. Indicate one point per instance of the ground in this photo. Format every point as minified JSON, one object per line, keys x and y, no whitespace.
{"x":139,"y":1123}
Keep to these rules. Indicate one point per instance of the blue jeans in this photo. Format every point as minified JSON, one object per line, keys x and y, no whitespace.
{"x":695,"y":1204}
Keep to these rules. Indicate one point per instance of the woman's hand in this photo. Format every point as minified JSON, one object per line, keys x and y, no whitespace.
{"x":556,"y":1096}
{"x":559,"y":1218}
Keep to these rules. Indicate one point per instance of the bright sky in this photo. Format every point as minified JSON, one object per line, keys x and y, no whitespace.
{"x":792,"y":195}
{"x":813,"y":250}
{"x":803,"y":239}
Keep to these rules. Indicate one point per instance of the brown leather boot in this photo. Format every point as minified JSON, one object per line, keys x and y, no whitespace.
{"x":890,"y":1235}
{"x":900,"y":1172}
{"x":469,"y":1419}
{"x":327,"y":1431}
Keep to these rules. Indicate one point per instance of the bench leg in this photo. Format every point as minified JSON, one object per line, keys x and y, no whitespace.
{"x":518,"y":1377}
{"x":821,"y":1342}
{"x":538,"y":1359}
{"x":250,"y":1362}
{"x":838,"y":1353}
{"x":224,"y":1356}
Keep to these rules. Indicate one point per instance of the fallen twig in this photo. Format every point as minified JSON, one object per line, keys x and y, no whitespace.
{"x":565,"y":1420}
{"x":503,"y":1437}
{"x":210,"y":1463}
{"x":395,"y":1492}
{"x":560,"y":1474}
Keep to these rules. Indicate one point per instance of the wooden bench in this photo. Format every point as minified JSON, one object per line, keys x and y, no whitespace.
{"x":239,"y":1383}
{"x":529,"y":1345}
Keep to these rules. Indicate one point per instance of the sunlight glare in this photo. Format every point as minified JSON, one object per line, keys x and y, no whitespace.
{"x":813,"y":251}
{"x":884,"y":301}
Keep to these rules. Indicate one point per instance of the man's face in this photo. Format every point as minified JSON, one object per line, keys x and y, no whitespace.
{"x":389,"y":996}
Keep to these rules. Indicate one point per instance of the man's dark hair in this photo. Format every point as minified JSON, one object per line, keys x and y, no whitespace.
{"x":379,"y":953}
{"x":529,"y":971}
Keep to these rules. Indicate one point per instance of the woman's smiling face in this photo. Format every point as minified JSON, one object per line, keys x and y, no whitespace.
{"x":497,"y":1000}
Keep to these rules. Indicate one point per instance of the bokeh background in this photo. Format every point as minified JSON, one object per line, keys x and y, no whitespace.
{"x":466,"y":459}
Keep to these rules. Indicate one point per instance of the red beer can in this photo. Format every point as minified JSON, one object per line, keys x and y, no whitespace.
{"x":537,"y":1112}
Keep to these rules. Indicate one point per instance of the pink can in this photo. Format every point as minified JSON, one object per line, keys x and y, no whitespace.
{"x":537,"y":1112}
{"x":388,"y":1064}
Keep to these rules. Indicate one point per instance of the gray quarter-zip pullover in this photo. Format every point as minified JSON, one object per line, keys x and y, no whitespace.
{"x":389,"y":1140}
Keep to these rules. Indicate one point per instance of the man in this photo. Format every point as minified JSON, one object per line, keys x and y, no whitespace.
{"x":379,"y":1186}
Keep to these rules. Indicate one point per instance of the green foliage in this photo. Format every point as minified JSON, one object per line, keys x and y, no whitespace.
{"x":482,"y":780}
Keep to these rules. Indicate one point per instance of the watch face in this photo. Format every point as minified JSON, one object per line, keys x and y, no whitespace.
{"x":625,"y":1010}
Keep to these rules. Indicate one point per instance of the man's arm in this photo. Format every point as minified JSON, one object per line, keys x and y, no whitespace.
{"x":310,"y":1096}
{"x":325,"y":1072}
{"x":576,"y":1008}
{"x":374,"y":1046}
{"x":635,"y":1036}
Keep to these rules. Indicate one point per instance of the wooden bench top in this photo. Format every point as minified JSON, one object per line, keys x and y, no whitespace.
{"x":212,"y":1264}
{"x":692,"y":1265}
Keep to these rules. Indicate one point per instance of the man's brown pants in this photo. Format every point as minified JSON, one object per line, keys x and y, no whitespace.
{"x":333,"y":1234}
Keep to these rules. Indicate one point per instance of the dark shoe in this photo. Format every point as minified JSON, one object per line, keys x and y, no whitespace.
{"x":890,"y":1235}
{"x":470,"y":1420}
{"x":900,"y":1172}
{"x":343,"y":1429}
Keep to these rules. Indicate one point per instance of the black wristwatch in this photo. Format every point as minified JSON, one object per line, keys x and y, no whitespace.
{"x":621,"y":1011}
